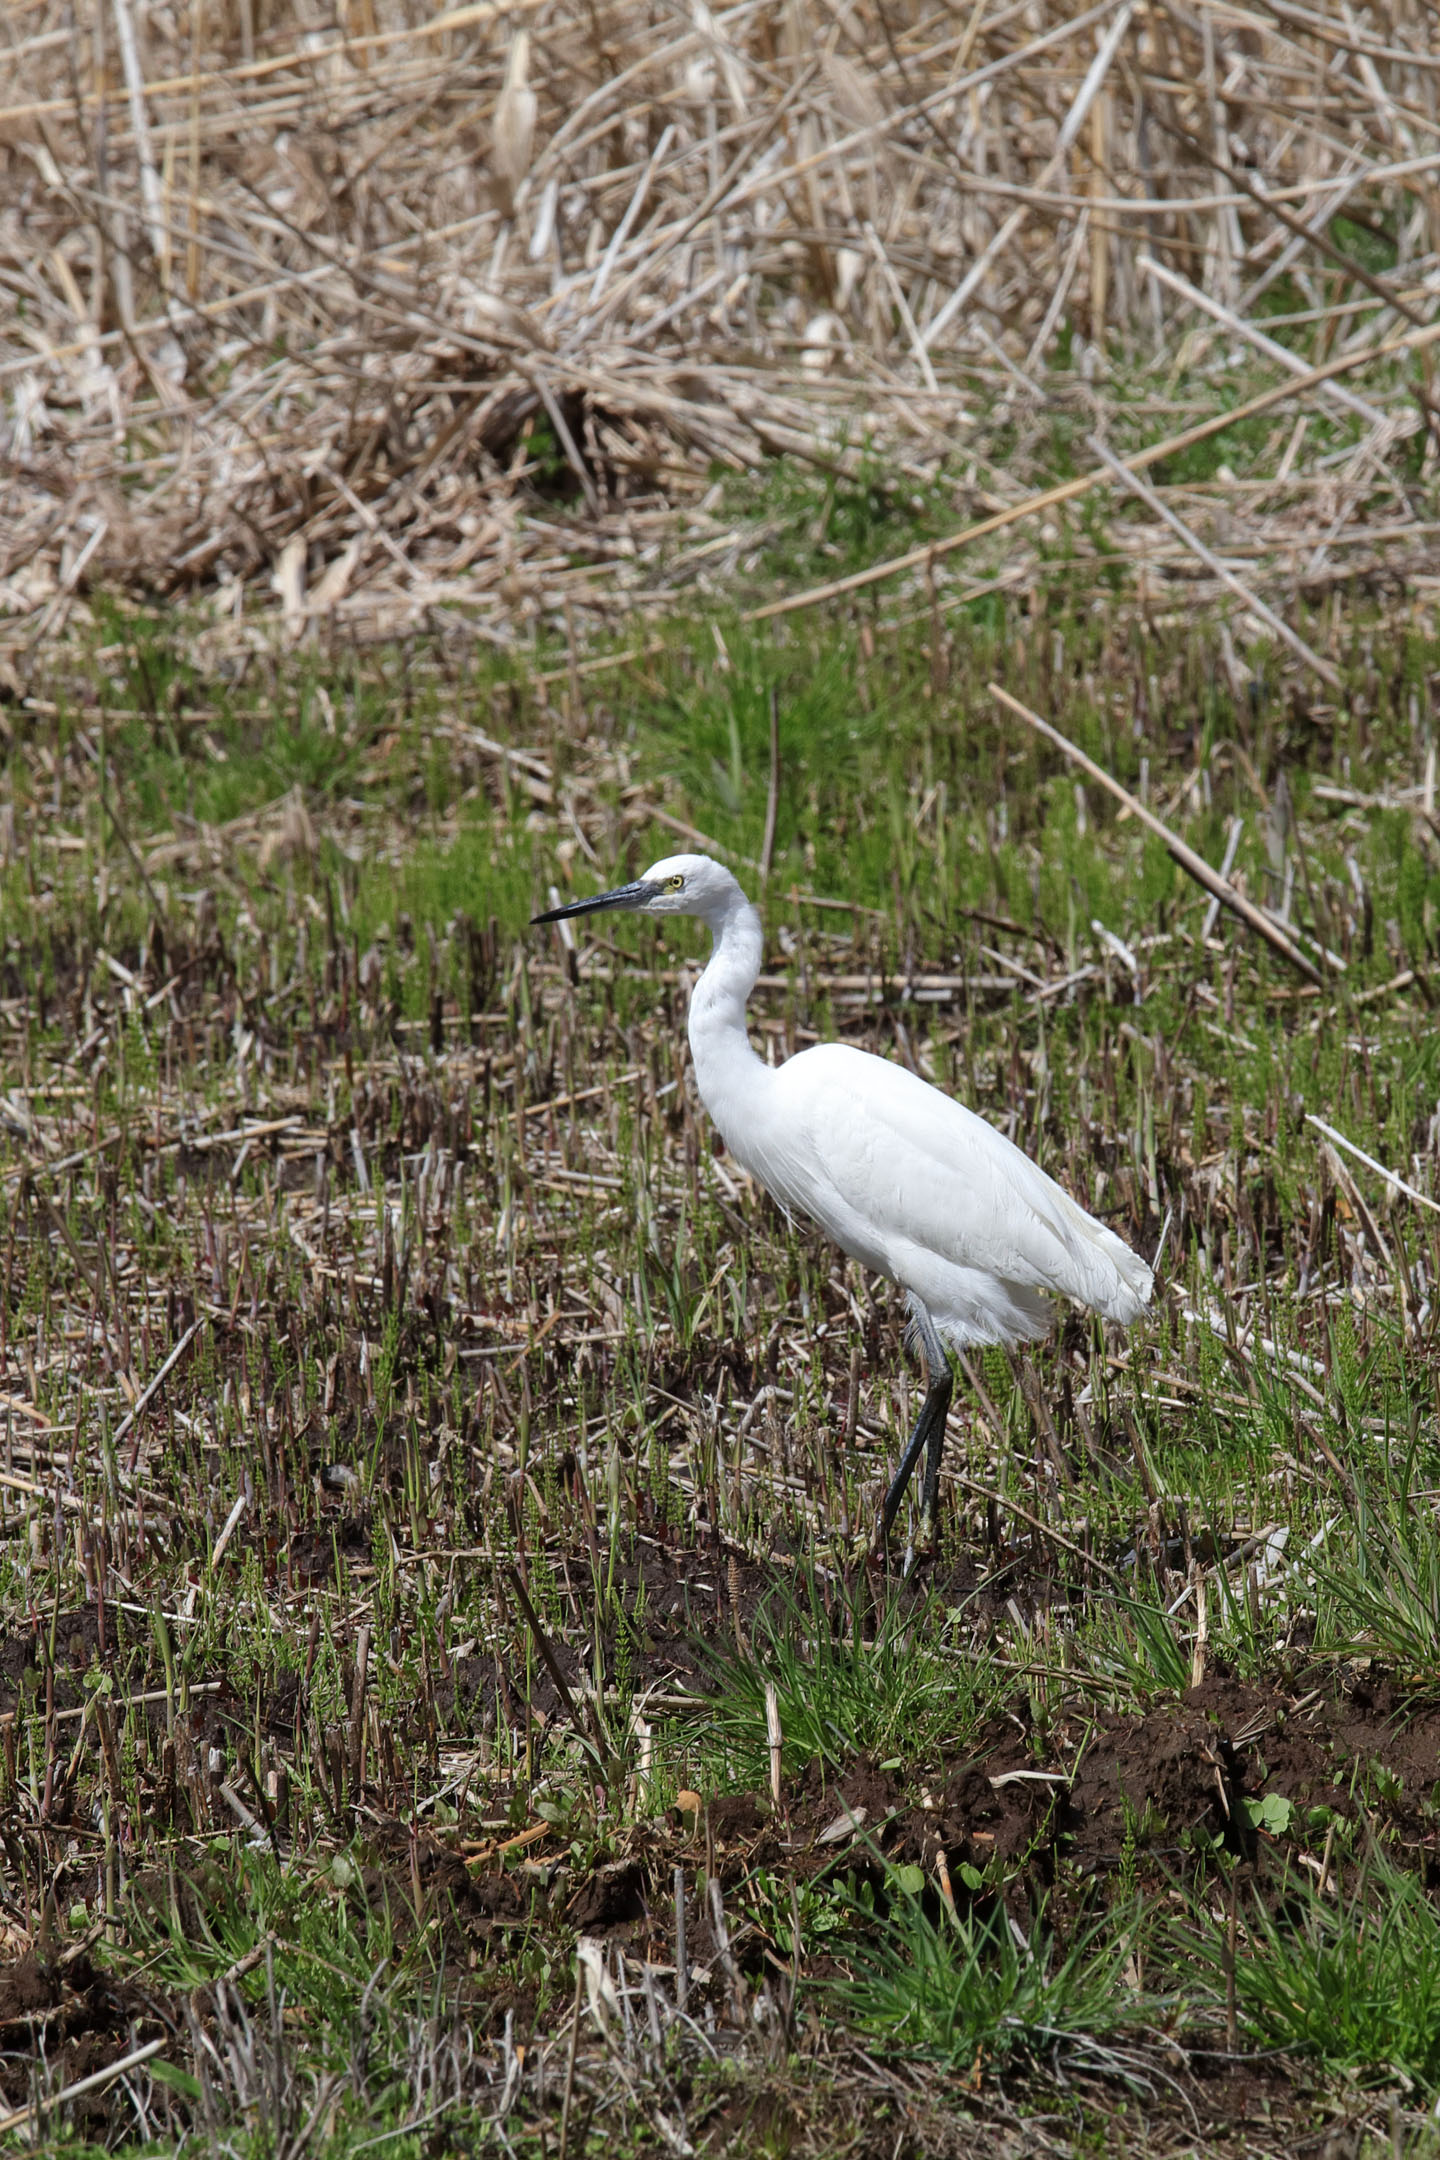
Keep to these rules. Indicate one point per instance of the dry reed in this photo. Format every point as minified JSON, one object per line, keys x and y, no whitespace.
{"x":351,"y":320}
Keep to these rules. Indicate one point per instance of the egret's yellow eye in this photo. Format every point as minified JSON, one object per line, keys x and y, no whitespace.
{"x":675,"y":884}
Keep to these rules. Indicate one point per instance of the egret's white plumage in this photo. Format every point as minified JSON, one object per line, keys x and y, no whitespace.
{"x":905,"y":1179}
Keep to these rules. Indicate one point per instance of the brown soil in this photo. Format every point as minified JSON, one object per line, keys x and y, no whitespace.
{"x":1158,"y":1792}
{"x":78,"y":2016}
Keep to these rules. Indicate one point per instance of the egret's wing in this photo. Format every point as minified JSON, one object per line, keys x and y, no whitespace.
{"x":892,"y":1168}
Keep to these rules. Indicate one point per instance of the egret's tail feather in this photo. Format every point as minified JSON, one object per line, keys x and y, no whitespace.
{"x":1116,"y":1282}
{"x":1105,"y":1276}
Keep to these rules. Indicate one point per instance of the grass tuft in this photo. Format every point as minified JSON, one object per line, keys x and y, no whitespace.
{"x":1353,"y":1982}
{"x":967,"y":1991}
{"x":847,"y":1683}
{"x":1378,"y":1586}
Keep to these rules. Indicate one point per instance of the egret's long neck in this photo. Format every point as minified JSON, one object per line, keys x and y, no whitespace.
{"x":727,"y":1071}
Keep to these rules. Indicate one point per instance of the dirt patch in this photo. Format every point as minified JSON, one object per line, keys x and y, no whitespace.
{"x":1150,"y":1790}
{"x":1180,"y":1775}
{"x":80,"y":2017}
{"x":613,"y":1896}
{"x":1155,"y":1779}
{"x":82,"y":1635}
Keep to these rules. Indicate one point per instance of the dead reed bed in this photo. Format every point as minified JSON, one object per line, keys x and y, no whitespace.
{"x":353,"y":319}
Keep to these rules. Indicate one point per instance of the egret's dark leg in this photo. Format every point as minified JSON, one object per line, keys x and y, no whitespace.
{"x":929,"y":1433}
{"x":930,"y":1498}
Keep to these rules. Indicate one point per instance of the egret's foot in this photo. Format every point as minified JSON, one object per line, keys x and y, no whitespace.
{"x":917,"y":1553}
{"x":923,"y":1544}
{"x":880,"y":1550}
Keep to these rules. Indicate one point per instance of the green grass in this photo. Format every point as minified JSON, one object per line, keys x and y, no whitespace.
{"x":1351,"y":1981}
{"x":1378,"y":1583}
{"x":329,"y":2012}
{"x":848,"y":1681}
{"x":968,"y":1992}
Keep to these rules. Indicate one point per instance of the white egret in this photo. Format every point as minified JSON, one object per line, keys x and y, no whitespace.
{"x":906,"y":1180}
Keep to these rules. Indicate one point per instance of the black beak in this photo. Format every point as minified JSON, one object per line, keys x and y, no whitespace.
{"x":622,"y":896}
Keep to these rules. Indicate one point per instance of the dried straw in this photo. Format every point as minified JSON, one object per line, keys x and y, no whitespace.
{"x":456,"y":318}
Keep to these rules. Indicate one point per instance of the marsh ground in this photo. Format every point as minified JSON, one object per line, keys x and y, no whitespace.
{"x":386,"y":1735}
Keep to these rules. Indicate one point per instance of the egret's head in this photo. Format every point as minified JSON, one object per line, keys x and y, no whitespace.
{"x":676,"y":885}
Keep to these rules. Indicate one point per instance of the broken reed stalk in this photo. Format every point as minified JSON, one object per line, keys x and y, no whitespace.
{"x":133,"y":1417}
{"x":1399,"y":1184}
{"x":772,"y":796}
{"x":1141,"y":489}
{"x":776,"y":1739}
{"x":1239,"y":327}
{"x":569,"y":2093}
{"x":590,"y":1722}
{"x":1070,"y":490}
{"x":1232,"y":1938}
{"x":1194,"y":865}
{"x":36,"y":2110}
{"x":357,"y":1711}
